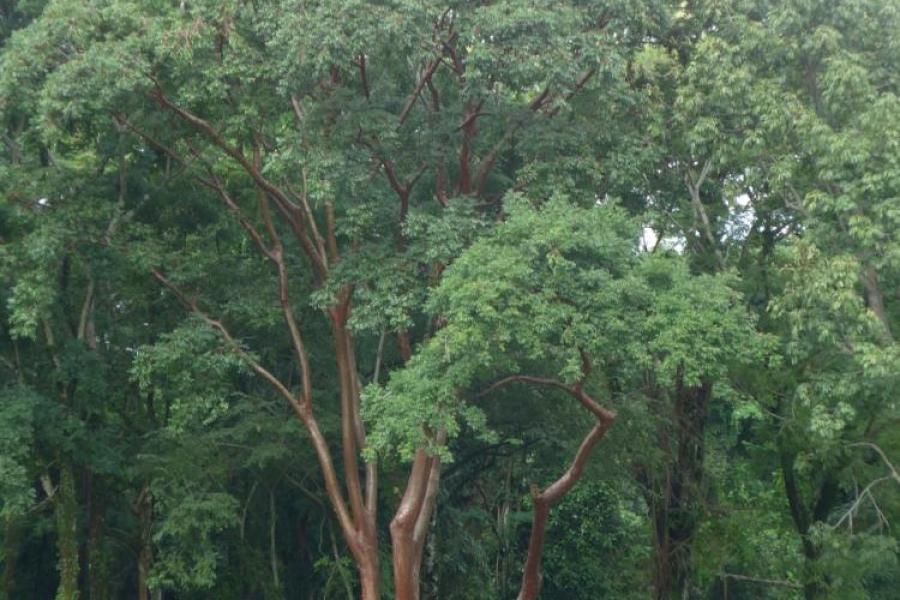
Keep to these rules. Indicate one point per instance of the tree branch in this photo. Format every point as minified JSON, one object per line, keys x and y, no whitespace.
{"x":554,"y":493}
{"x":302,"y":409}
{"x":545,"y":500}
{"x":283,"y":203}
{"x":779,"y":582}
{"x":361,"y":63}
{"x":430,"y":68}
{"x":694,"y":189}
{"x":574,"y":390}
{"x":287,"y":310}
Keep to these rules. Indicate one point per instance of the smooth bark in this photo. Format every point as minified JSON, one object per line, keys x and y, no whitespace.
{"x":545,"y":500}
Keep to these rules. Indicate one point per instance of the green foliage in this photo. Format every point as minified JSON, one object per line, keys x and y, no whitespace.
{"x":186,"y":538}
{"x":850,"y":561}
{"x":17,"y":407}
{"x":597,"y":539}
{"x":515,"y":296}
{"x":189,"y":370}
{"x":489,"y":176}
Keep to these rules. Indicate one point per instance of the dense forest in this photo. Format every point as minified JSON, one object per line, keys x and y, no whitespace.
{"x":460,"y":300}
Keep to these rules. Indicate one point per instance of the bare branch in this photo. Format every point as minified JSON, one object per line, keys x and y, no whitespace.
{"x":778,"y":582}
{"x":545,"y":500}
{"x":282,"y":202}
{"x":430,"y":68}
{"x":893,"y":474}
{"x":487,"y":163}
{"x":693,"y":186}
{"x":378,"y":356}
{"x":192,"y":306}
{"x":575,"y":391}
{"x":579,"y":85}
{"x":287,"y":309}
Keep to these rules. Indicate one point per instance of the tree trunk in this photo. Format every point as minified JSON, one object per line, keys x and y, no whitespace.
{"x":875,"y":300}
{"x":826,"y":496}
{"x":429,"y":573}
{"x":273,"y":550}
{"x":98,"y":573}
{"x":369,"y":579}
{"x":410,"y":525}
{"x":406,"y":571}
{"x":545,"y":500}
{"x":144,"y":560}
{"x":674,"y":509}
{"x":662,"y":568}
{"x":359,"y":530}
{"x":12,"y":543}
{"x":95,"y":560}
{"x":143,"y":509}
{"x":66,"y":505}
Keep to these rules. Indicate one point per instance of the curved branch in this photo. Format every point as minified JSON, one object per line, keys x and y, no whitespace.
{"x":573,"y":390}
{"x":545,"y":500}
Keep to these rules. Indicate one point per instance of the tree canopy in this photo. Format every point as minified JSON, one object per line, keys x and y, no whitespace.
{"x":409,"y":299}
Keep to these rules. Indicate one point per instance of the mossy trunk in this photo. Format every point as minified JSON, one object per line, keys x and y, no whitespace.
{"x":98,"y":567}
{"x":676,"y":504}
{"x":66,"y":505}
{"x":12,"y":543}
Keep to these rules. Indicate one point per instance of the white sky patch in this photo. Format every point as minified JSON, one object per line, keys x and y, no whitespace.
{"x":741,"y":216}
{"x":650,"y":240}
{"x":736,"y":227}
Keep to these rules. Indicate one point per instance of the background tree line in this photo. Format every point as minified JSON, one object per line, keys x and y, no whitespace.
{"x":461,"y":300}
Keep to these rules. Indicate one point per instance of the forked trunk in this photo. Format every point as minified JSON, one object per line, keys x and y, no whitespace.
{"x":553,"y":494}
{"x":409,"y":528}
{"x":359,"y":526}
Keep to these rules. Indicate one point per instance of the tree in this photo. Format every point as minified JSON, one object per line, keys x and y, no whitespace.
{"x":206,"y":86}
{"x":455,"y":243}
{"x":558,"y":297}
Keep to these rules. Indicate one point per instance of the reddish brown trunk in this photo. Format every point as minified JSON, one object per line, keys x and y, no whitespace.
{"x":356,"y":511}
{"x":369,"y":579}
{"x":545,"y":500}
{"x":469,"y":129}
{"x":409,"y":528}
{"x":361,"y":536}
{"x":662,"y":575}
{"x":404,"y":344}
{"x":552,"y":495}
{"x":406,"y":569}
